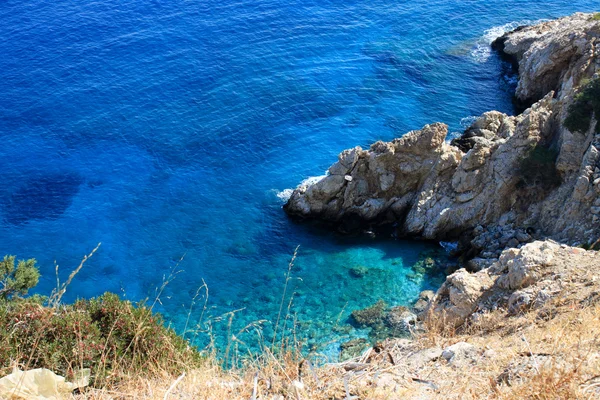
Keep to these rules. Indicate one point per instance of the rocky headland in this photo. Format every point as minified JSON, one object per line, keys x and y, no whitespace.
{"x":521,"y":196}
{"x":506,"y":181}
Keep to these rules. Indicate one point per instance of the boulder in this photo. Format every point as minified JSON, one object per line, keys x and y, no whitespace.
{"x":401,"y":319}
{"x":460,"y":353}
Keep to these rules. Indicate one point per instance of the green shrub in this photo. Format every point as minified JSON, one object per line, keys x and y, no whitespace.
{"x":596,"y":17}
{"x":538,"y":168}
{"x":106,"y":334}
{"x":585,"y":105}
{"x":17,"y":280}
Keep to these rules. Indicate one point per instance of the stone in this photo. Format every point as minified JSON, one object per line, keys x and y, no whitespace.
{"x":523,"y":237}
{"x":477,"y":264}
{"x":513,"y":242}
{"x":519,"y":301}
{"x":489,"y":353}
{"x":460,"y":353}
{"x":423,"y":357}
{"x":525,"y":367}
{"x":401,"y":319}
{"x":358,"y":271}
{"x":459,"y":295}
{"x":423,"y":301}
{"x":41,"y":383}
{"x":524,"y":266}
{"x":369,"y":316}
{"x":353,"y":348}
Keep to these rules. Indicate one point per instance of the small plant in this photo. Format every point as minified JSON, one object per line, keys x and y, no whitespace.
{"x":105,"y":334}
{"x":596,"y":16}
{"x":17,"y":280}
{"x":584,"y":107}
{"x":108,"y":335}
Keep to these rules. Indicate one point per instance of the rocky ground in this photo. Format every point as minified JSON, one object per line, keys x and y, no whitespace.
{"x":527,"y":327}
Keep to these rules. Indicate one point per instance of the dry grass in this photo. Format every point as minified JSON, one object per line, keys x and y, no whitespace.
{"x":561,"y":355}
{"x":547,"y":353}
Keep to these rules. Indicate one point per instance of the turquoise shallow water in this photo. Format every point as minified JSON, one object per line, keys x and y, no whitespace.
{"x":169,"y":131}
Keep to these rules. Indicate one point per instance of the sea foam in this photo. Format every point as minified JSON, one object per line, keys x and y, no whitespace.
{"x":483,"y":50}
{"x":285,"y":194}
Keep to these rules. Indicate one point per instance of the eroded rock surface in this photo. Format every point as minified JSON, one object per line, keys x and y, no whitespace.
{"x":520,"y":280}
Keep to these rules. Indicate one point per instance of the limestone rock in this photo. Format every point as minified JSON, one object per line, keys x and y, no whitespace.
{"x":429,"y":188}
{"x":550,"y":55}
{"x":520,"y":280}
{"x":523,"y":267}
{"x":423,"y":357}
{"x":458,"y":297}
{"x":401,"y":319}
{"x":460,"y":353}
{"x":423,"y":301}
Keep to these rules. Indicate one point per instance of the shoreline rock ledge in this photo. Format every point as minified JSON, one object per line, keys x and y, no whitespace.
{"x":506,"y":181}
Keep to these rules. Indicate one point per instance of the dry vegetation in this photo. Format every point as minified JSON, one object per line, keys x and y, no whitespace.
{"x":549,"y":355}
{"x":552,"y":352}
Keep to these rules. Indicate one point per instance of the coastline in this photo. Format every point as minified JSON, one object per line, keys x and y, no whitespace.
{"x":520,"y":196}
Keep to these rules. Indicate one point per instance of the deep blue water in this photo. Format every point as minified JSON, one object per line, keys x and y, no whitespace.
{"x":167,"y":129}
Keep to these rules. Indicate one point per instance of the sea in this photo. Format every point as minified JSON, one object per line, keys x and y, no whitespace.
{"x":172,"y":132}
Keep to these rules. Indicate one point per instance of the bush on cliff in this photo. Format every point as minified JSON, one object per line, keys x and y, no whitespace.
{"x":538,"y":169}
{"x":585,"y":105}
{"x":17,"y":280}
{"x":106,"y":334}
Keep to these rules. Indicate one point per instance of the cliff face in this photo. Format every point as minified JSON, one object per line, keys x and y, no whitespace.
{"x":505,"y":181}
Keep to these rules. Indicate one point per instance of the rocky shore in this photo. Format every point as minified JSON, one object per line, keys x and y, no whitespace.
{"x":521,"y":196}
{"x":508,"y":180}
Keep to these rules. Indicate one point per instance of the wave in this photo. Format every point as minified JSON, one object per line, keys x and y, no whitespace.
{"x":468,"y":121}
{"x":285,"y":194}
{"x":311,"y":180}
{"x":483,"y":49}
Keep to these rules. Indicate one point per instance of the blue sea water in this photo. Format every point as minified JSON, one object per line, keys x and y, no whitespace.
{"x":169,"y":131}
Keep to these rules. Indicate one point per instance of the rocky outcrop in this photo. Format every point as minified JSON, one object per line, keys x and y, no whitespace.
{"x":553,"y":55}
{"x":521,"y":279}
{"x":506,"y":181}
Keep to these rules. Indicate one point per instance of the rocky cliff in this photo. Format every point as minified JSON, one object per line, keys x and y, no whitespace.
{"x":507,"y":180}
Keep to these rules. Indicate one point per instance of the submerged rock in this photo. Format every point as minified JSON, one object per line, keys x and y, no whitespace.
{"x":358,"y":271}
{"x":370,"y":316}
{"x":400,"y":319}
